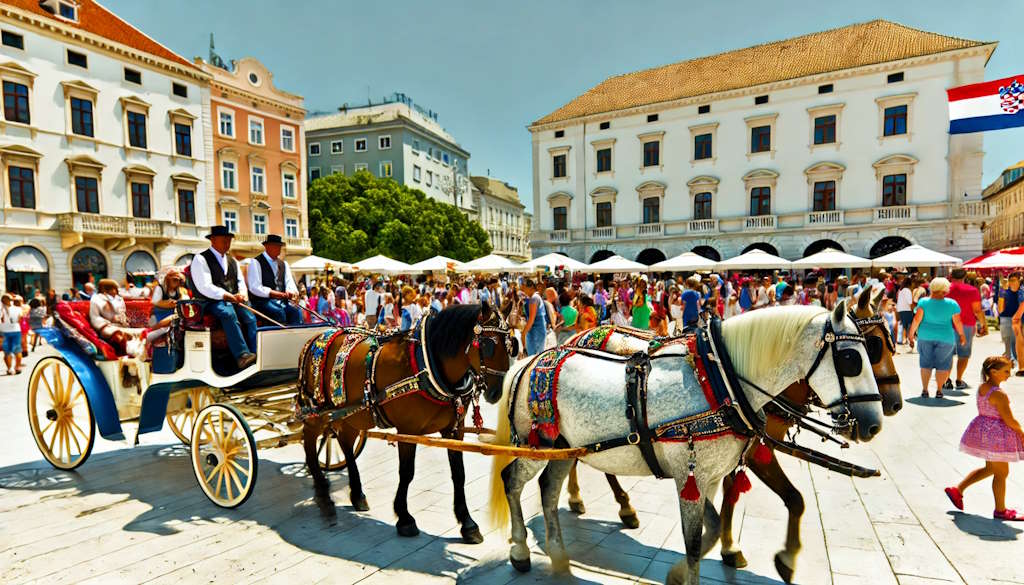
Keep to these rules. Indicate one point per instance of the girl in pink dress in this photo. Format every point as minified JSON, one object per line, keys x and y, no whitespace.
{"x":995,"y":436}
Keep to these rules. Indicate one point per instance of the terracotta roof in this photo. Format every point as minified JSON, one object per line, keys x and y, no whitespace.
{"x":98,"y":20}
{"x":857,"y":45}
{"x":497,"y":188}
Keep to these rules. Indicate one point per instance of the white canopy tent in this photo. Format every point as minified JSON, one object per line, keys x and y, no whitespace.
{"x":493,"y":263}
{"x":554,"y":260}
{"x":754,"y":260}
{"x":380,"y":264}
{"x":437,"y":264}
{"x":617,"y":264}
{"x":687,"y":261}
{"x":831,"y":258}
{"x":313,"y":263}
{"x":916,"y":256}
{"x":999,"y":260}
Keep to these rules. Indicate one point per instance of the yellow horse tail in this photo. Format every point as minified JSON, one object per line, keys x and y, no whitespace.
{"x":499,"y":503}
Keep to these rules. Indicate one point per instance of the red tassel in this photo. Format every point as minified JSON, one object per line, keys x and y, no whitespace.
{"x":533,"y":439}
{"x":740,"y":485}
{"x":762,"y":454}
{"x":690,"y":492}
{"x":478,"y":419}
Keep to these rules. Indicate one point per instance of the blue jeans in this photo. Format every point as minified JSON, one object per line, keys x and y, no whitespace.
{"x":1009,"y":339}
{"x":277,"y":309}
{"x":935,"y":355}
{"x":239,"y":326}
{"x":535,"y":340}
{"x":12,"y":342}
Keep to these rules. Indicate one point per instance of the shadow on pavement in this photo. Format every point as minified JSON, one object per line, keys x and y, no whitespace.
{"x":933,"y":402}
{"x":985,"y":528}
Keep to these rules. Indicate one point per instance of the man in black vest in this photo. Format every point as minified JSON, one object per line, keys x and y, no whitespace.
{"x":216,"y":279}
{"x":271,"y":286}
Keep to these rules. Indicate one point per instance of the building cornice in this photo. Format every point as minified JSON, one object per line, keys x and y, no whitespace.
{"x":397,"y":124}
{"x":250,"y":100}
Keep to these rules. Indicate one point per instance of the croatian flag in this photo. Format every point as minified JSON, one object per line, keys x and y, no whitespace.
{"x":990,"y":105}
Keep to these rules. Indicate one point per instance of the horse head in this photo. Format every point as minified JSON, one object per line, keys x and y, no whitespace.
{"x":881,"y":348}
{"x":497,"y":348}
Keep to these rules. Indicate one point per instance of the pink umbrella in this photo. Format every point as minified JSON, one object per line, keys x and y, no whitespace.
{"x":1007,"y":259}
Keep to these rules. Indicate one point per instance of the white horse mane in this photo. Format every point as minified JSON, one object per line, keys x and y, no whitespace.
{"x":761,"y":342}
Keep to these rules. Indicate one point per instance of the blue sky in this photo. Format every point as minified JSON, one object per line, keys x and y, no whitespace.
{"x":490,"y":68}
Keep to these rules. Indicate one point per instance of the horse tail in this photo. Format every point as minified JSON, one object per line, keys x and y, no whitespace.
{"x":503,"y":436}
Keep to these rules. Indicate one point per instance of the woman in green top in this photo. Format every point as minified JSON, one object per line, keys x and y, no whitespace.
{"x":937,"y":327}
{"x":569,"y":315}
{"x":641,"y":308}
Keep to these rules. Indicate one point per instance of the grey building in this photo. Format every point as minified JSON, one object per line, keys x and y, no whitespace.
{"x":395,"y":139}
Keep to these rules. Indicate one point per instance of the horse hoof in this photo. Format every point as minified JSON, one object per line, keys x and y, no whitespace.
{"x":359,"y":504}
{"x":735,"y":559}
{"x":471,"y":534}
{"x":630,"y":520}
{"x":577,"y":507}
{"x":784,"y":570}
{"x":522,"y":566}
{"x":560,"y":565}
{"x":408,"y":530}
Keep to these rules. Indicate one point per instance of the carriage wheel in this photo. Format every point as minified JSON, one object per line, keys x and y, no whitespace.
{"x":224,"y":455}
{"x":182,"y":421}
{"x":59,"y":414}
{"x":329,"y":453}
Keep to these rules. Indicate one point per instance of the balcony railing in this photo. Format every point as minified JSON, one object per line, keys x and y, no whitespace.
{"x":602,"y":233}
{"x":250,"y":240}
{"x":975,"y":210}
{"x":895,"y":214}
{"x":558,"y":235}
{"x":834,"y":217}
{"x":760,"y":222}
{"x":650,"y":229}
{"x":703,"y":226}
{"x":108,"y":225}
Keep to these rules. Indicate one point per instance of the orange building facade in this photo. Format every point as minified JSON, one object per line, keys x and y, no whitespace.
{"x":258,"y":172}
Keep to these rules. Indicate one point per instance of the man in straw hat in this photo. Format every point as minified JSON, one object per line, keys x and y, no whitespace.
{"x":271,"y":286}
{"x":216,"y":279}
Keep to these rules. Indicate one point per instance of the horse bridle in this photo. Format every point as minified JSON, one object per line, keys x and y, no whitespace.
{"x":873,"y":344}
{"x":484,"y":343}
{"x":848,"y":364}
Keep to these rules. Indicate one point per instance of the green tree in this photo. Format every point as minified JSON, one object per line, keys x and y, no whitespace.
{"x":352,"y":217}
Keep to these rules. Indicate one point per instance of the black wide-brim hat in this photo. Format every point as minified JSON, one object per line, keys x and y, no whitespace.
{"x":219,"y":230}
{"x":273,"y":239}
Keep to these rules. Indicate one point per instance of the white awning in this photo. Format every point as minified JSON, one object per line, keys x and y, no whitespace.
{"x":26,"y":259}
{"x":916,"y":256}
{"x":492,"y":263}
{"x":685,"y":262}
{"x":553,"y":260}
{"x":315,"y":263}
{"x":831,"y":258}
{"x":140,"y":263}
{"x":754,"y":260}
{"x":617,"y":264}
{"x":380,"y":264}
{"x":437,"y":264}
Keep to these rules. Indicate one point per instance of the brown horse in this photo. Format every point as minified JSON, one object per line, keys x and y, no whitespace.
{"x":420,"y":382}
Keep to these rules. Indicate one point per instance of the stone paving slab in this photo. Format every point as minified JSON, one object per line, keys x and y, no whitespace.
{"x":132,"y":515}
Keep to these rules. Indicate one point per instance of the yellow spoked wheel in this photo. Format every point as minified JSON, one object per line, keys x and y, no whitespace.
{"x":59,"y":414}
{"x":182,"y":421}
{"x":329,"y":453}
{"x":224,"y":455}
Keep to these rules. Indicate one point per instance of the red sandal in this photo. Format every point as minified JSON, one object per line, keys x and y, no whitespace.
{"x":956,"y":497}
{"x":1008,"y":514}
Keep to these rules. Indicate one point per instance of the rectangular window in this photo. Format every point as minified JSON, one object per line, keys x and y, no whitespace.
{"x":12,"y":39}
{"x":87,"y":194}
{"x":652,"y":118}
{"x":67,"y":11}
{"x":186,"y":206}
{"x":825,"y":196}
{"x":894,"y":77}
{"x":137,"y":130}
{"x":561,"y":217}
{"x":827,"y":88}
{"x":78,"y":59}
{"x":227,"y":124}
{"x":384,"y":142}
{"x":559,"y":133}
{"x":291,"y":227}
{"x":314,"y":149}
{"x":761,"y":201}
{"x":416,"y":146}
{"x":360,"y":167}
{"x":761,"y":139}
{"x":895,"y":120}
{"x":140,"y":200}
{"x":16,"y":102}
{"x":314,"y":173}
{"x":183,"y":139}
{"x":652,"y":153}
{"x":81,"y":117}
{"x":825,"y":129}
{"x":558,"y":165}
{"x":705,"y":109}
{"x":257,"y":182}
{"x":430,"y":178}
{"x":230,"y":220}
{"x":256,"y":131}
{"x":605,"y":125}
{"x":702,"y":146}
{"x":416,"y":173}
{"x":132,"y":76}
{"x":337,"y":146}
{"x":604,"y":160}
{"x":287,"y":139}
{"x":360,"y":145}
{"x":338,"y":170}
{"x":259,"y":224}
{"x":23,"y":187}
{"x":444,"y":158}
{"x":894,"y":190}
{"x":702,"y":206}
{"x":652,"y":209}
{"x":604,"y":214}
{"x":288,"y":185}
{"x":385,"y":169}
{"x":761,"y":99}
{"x":179,"y":89}
{"x":227,"y":175}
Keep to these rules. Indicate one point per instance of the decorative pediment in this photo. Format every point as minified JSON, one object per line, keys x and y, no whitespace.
{"x":702,"y":181}
{"x":761,"y":174}
{"x":20,"y":150}
{"x":228,"y":153}
{"x":78,"y":86}
{"x":228,"y":201}
{"x":14,"y":69}
{"x":895,"y":160}
{"x":559,"y":198}
{"x":261,"y":205}
{"x":185,"y":178}
{"x":648,"y":188}
{"x":139,"y":171}
{"x":256,"y":159}
{"x":83,"y":162}
{"x":130,"y":101}
{"x":289,"y":166}
{"x":181,"y":114}
{"x":824,"y":168}
{"x":604,"y":191}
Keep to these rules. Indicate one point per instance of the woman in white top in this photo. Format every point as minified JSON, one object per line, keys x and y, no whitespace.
{"x":109,"y":317}
{"x":10,"y":327}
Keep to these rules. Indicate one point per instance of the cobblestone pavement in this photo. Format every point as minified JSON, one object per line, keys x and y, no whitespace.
{"x":136,"y":514}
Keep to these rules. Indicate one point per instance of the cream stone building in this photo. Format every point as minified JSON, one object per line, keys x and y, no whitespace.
{"x":833,"y":139}
{"x":1006,"y":197}
{"x":497,"y":207}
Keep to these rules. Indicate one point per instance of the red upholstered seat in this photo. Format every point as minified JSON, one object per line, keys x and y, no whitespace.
{"x":76,"y":314}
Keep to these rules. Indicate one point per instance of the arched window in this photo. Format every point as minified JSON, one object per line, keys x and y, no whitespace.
{"x":601,"y":255}
{"x":27,"y":271}
{"x":763,"y":246}
{"x":650,"y":256}
{"x":707,"y":252}
{"x":140,"y":267}
{"x":888,"y":245}
{"x":88,"y":264}
{"x":702,"y":205}
{"x":821,"y":245}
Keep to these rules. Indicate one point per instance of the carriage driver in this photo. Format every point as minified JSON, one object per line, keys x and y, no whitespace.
{"x":217,"y":280}
{"x":271,"y":286}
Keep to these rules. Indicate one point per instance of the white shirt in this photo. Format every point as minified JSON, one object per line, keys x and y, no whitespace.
{"x":254,"y":278}
{"x":106,"y":310}
{"x":372,"y":301}
{"x":203,"y":281}
{"x":904,"y":300}
{"x":10,"y":319}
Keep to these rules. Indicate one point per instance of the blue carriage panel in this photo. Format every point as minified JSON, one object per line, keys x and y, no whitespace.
{"x":101,"y":399}
{"x":154,"y":403}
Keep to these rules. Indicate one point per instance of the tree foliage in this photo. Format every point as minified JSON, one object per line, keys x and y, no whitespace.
{"x":352,"y":217}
